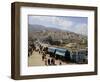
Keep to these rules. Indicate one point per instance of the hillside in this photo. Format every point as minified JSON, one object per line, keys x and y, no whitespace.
{"x":42,"y":32}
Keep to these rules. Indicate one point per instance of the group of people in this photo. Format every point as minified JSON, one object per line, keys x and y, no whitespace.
{"x":48,"y":61}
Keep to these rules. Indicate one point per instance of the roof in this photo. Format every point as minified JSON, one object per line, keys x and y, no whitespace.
{"x":51,"y":49}
{"x":59,"y":51}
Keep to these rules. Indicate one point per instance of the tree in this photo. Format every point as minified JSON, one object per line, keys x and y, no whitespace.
{"x":49,"y":39}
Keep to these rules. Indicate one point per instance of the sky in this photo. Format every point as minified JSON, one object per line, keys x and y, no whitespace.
{"x":74,"y":24}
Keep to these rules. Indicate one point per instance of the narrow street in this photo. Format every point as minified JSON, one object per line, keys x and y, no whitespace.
{"x":36,"y":60}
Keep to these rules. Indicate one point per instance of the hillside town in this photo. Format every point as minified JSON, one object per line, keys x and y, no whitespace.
{"x":47,"y":47}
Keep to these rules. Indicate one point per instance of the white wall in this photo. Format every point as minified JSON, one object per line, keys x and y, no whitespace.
{"x":5,"y":40}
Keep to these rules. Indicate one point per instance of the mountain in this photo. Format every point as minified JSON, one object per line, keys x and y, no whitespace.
{"x":36,"y":28}
{"x":42,"y":32}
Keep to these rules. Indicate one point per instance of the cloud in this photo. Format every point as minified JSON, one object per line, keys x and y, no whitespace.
{"x":43,"y":18}
{"x":81,"y":29}
{"x":61,"y":23}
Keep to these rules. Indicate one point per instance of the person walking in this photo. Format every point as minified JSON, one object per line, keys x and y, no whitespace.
{"x":49,"y":63}
{"x":43,"y":57}
{"x":52,"y":61}
{"x":60,"y":63}
{"x":46,"y":61}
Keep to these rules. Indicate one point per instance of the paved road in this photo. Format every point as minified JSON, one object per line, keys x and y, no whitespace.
{"x":36,"y":60}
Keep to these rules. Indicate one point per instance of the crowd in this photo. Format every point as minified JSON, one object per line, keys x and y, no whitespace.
{"x":45,"y":57}
{"x":49,"y":60}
